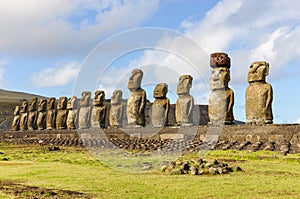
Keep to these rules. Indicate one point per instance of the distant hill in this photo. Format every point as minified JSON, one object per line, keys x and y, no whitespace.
{"x":14,"y":96}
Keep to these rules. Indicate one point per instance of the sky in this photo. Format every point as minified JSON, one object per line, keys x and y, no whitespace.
{"x":60,"y":48}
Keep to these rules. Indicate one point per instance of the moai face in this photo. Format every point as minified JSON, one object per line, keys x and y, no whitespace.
{"x":72,"y":103}
{"x":33,"y":104}
{"x":42,"y":105}
{"x":258,"y":71}
{"x":24,"y":107}
{"x":17,"y":110}
{"x":219,"y":60}
{"x":160,"y":90}
{"x":85,"y":99}
{"x":62,"y":103}
{"x":135,"y":79}
{"x":184,"y":85}
{"x":219,"y":78}
{"x":51,"y":103}
{"x":116,"y":97}
{"x":99,"y":98}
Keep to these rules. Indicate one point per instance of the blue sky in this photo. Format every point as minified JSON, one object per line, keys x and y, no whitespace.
{"x":44,"y":45}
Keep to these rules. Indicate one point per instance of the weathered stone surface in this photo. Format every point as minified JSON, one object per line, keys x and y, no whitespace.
{"x":32,"y":114}
{"x":259,"y":95}
{"x":23,"y":116}
{"x":116,"y":109}
{"x":72,"y":118}
{"x":185,"y":102}
{"x":219,"y":59}
{"x":85,"y":110}
{"x":16,"y":121}
{"x":42,"y":112}
{"x":99,"y":110}
{"x":51,"y":114}
{"x":62,"y":112}
{"x":160,"y":106}
{"x":136,"y":102}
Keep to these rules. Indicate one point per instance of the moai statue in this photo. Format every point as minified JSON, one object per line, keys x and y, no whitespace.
{"x":136,"y":103}
{"x":16,"y":121}
{"x":85,"y":110}
{"x":160,"y":107}
{"x":221,"y":101}
{"x":185,"y":102}
{"x":99,"y":110}
{"x":259,"y":95}
{"x":62,"y":112}
{"x":51,"y":114}
{"x":32,"y":114}
{"x":72,"y":117}
{"x":116,"y":109}
{"x":23,"y":116}
{"x":42,"y":112}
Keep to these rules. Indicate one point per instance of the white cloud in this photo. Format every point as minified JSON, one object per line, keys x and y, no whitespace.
{"x":59,"y":75}
{"x":3,"y":82}
{"x":297,"y":121}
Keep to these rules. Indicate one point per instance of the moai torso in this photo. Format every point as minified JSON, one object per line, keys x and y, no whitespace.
{"x":32,"y":114}
{"x":62,"y":112}
{"x":160,"y":106}
{"x":99,"y":110}
{"x":259,"y":95}
{"x":185,"y":102}
{"x":16,"y":120}
{"x":51,"y":114}
{"x":136,"y":103}
{"x":85,"y":110}
{"x":72,"y":117}
{"x":42,"y":112}
{"x":23,"y":116}
{"x":116,"y":109}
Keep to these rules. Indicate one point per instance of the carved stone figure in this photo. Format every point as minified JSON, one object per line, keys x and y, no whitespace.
{"x":85,"y":110}
{"x":62,"y":112}
{"x":185,"y":102}
{"x":16,"y":121}
{"x":259,"y":95}
{"x":116,"y":109}
{"x":51,"y":114}
{"x":42,"y":112}
{"x":72,"y":117}
{"x":32,"y":114}
{"x":99,"y":110}
{"x":23,"y":116}
{"x":137,"y":100}
{"x":221,"y":99}
{"x":160,"y":107}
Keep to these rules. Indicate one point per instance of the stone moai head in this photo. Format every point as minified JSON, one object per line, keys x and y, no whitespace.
{"x":51,"y":103}
{"x":99,"y":98}
{"x":72,"y":103}
{"x":220,"y":64}
{"x":184,"y":85}
{"x":17,"y":110}
{"x":135,"y":80}
{"x":24,"y":107}
{"x":33,"y":104}
{"x":116,"y":97}
{"x":62,"y":103}
{"x":258,"y":71}
{"x":160,"y":90}
{"x":85,"y":99}
{"x":42,"y":106}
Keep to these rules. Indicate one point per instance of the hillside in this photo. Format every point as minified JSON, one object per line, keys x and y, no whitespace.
{"x":14,"y":96}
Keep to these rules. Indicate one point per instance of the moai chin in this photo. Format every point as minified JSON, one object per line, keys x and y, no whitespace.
{"x":259,"y":95}
{"x":51,"y":114}
{"x":99,"y":110}
{"x":32,"y":114}
{"x":16,"y":120}
{"x":62,"y":112}
{"x":85,"y":110}
{"x":42,"y":112}
{"x":116,"y":109}
{"x":160,"y":106}
{"x":23,"y":116}
{"x":221,"y":101}
{"x":136,"y":103}
{"x":72,"y":117}
{"x":185,"y":102}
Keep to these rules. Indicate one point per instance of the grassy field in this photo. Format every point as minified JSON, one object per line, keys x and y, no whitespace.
{"x":75,"y":171}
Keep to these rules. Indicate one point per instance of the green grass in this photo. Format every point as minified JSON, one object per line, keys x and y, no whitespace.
{"x":264,"y":175}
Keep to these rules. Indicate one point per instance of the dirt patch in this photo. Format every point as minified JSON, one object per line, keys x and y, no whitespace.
{"x":32,"y":192}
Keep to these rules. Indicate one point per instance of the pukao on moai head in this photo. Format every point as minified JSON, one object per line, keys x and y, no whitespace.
{"x":160,"y":106}
{"x":62,"y":112}
{"x":32,"y":114}
{"x":185,"y":102}
{"x":72,"y":112}
{"x":221,"y":99}
{"x":99,"y":110}
{"x":42,"y":112}
{"x":85,"y":110}
{"x":137,"y":100}
{"x":116,"y":109}
{"x":24,"y":116}
{"x":259,"y":95}
{"x":16,"y":120}
{"x":51,"y":114}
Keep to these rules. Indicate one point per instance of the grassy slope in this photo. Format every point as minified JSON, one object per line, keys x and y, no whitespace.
{"x":272,"y":177}
{"x":14,"y":96}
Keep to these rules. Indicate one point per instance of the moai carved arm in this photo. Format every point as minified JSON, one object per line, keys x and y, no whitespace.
{"x":191,"y":107}
{"x":167,"y":109}
{"x":231,"y":101}
{"x":269,"y":98}
{"x":142,"y":104}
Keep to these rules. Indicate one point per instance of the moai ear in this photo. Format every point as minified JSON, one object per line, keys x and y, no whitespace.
{"x":191,"y":80}
{"x":267,"y":68}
